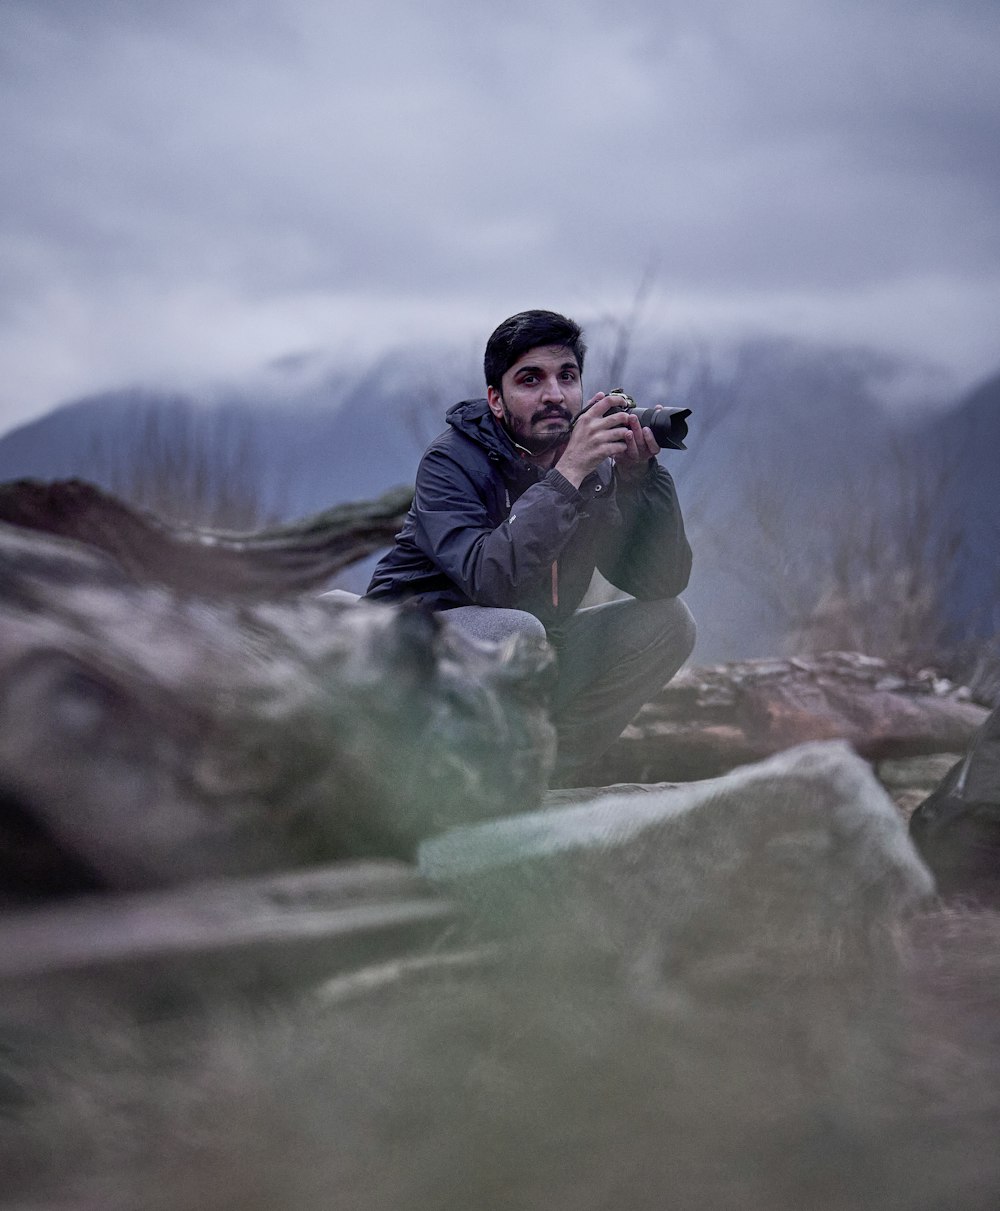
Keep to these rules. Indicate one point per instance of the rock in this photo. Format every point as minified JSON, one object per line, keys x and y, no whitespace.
{"x":710,"y":720}
{"x":687,"y":995}
{"x":957,"y":828}
{"x":755,"y":918}
{"x":279,"y":561}
{"x":161,"y":951}
{"x":909,"y":780}
{"x":693,"y":1000}
{"x":150,"y":737}
{"x":794,"y":865}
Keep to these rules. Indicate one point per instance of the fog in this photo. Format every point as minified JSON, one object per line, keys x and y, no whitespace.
{"x":195,"y":189}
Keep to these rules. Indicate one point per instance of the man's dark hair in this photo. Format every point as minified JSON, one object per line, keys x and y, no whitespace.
{"x":527,"y":330}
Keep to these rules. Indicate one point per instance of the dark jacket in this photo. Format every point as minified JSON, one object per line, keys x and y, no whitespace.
{"x":488,"y":528}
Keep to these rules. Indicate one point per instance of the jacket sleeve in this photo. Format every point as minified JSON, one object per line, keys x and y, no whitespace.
{"x":493,"y":564}
{"x":648,"y":556}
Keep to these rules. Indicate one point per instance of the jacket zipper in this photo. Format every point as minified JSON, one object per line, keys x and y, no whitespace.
{"x":555,"y":562}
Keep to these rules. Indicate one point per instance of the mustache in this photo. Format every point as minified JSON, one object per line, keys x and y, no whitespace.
{"x":551,"y":410}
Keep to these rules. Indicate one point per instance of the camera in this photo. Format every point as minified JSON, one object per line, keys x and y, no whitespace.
{"x":669,"y":425}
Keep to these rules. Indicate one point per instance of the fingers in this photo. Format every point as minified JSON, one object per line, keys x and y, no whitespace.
{"x":593,"y":405}
{"x":650,"y":447}
{"x":614,"y":431}
{"x":640,"y":447}
{"x":633,"y":439}
{"x":596,"y":437}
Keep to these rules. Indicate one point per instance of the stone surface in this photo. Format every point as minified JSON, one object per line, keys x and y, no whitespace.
{"x":150,"y":737}
{"x":237,"y":938}
{"x":690,"y":997}
{"x":795,"y":864}
{"x":443,"y":1085}
{"x":909,"y":780}
{"x":709,"y":720}
{"x":655,"y":995}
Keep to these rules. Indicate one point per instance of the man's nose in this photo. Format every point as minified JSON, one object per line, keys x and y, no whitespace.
{"x":553,"y":390}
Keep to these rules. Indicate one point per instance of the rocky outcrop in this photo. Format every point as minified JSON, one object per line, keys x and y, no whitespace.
{"x":709,"y":720}
{"x":150,"y":737}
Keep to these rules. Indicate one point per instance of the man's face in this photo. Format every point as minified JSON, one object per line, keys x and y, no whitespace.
{"x":539,"y":397}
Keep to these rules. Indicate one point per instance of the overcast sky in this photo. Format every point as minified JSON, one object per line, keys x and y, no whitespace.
{"x":194,"y":187}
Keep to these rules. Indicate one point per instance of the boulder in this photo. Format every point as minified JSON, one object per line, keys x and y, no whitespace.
{"x":174,"y":949}
{"x":709,"y":720}
{"x":795,"y":865}
{"x":150,"y":737}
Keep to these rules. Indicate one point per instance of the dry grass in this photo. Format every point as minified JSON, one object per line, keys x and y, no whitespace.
{"x":518,"y":1085}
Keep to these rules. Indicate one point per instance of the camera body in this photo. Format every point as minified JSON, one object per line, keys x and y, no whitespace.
{"x":669,"y":425}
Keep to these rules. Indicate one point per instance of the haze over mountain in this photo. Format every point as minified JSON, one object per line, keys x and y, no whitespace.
{"x":794,"y":454}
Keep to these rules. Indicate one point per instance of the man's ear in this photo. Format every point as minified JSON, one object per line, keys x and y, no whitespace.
{"x":495,"y":401}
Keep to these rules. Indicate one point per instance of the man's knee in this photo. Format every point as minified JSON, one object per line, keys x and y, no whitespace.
{"x":668,"y":624}
{"x":682,"y":624}
{"x":493,"y":624}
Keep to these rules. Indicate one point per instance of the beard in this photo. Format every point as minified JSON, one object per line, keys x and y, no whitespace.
{"x":538,"y":443}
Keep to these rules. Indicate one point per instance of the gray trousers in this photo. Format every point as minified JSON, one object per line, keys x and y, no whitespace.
{"x":612,"y":659}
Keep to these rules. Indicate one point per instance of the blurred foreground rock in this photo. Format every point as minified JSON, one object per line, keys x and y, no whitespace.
{"x":794,"y":864}
{"x":726,"y":994}
{"x":174,"y":951}
{"x":280,"y":561}
{"x":800,"y":861}
{"x":150,"y":737}
{"x":694,"y":997}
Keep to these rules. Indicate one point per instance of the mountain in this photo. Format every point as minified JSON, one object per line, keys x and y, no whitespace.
{"x":795,"y":483}
{"x":340,"y":439}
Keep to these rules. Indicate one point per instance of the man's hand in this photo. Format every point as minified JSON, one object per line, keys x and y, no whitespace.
{"x":597,"y":436}
{"x":641,"y":447}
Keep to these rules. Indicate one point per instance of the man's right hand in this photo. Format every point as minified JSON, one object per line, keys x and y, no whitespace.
{"x":595,"y":437}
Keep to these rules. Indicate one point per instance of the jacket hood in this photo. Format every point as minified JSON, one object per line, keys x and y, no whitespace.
{"x":474,"y":420}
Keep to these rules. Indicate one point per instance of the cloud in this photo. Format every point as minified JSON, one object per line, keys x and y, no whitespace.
{"x":201,"y":186}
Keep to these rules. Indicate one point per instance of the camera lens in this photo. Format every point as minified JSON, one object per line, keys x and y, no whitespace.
{"x":669,"y":425}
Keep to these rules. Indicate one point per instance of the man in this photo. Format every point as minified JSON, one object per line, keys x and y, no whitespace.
{"x":517,"y":503}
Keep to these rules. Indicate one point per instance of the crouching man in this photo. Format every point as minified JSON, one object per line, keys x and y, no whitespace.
{"x":517,"y":503}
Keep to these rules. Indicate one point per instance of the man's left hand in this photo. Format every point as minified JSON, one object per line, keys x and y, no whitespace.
{"x":640,"y":447}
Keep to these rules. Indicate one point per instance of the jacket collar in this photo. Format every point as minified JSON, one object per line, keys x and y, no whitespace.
{"x":474,"y":420}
